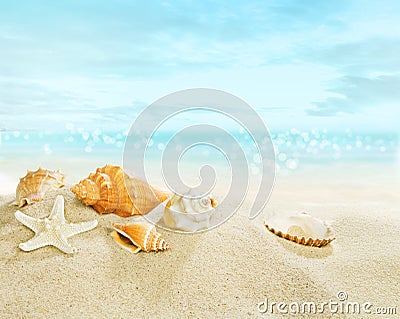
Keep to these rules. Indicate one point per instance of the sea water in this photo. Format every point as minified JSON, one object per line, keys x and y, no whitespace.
{"x":78,"y":151}
{"x":292,"y":147}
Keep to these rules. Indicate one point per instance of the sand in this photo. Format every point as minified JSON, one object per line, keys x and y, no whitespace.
{"x":221,"y":273}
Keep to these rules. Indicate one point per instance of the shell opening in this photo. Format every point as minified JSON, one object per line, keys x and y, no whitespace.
{"x":124,"y":241}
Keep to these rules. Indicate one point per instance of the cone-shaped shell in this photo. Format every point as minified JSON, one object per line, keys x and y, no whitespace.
{"x":303,"y":229}
{"x":139,"y":236}
{"x":110,"y":190}
{"x":34,"y":185}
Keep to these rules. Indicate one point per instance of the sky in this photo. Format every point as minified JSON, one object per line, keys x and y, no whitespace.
{"x":300,"y":64}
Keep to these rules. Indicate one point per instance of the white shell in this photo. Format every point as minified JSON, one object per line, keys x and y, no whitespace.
{"x":189,"y":214}
{"x":303,"y":229}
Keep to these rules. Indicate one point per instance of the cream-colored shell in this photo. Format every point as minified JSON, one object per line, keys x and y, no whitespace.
{"x":110,"y":190}
{"x":34,"y":185}
{"x":139,"y":236}
{"x":303,"y":229}
{"x":189,"y":214}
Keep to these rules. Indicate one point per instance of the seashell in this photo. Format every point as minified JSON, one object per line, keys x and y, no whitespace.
{"x":189,"y":214}
{"x":303,"y":229}
{"x":34,"y":185}
{"x":139,"y":236}
{"x":110,"y":190}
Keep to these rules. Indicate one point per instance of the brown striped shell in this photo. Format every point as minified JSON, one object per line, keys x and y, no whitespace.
{"x":34,"y":185}
{"x":303,"y":229}
{"x":110,"y":190}
{"x":139,"y":236}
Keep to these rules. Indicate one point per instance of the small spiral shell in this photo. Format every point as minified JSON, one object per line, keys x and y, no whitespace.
{"x":139,"y":236}
{"x":189,"y":214}
{"x":110,"y":190}
{"x":34,"y":185}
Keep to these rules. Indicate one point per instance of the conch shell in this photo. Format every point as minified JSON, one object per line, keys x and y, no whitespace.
{"x":110,"y":190}
{"x":189,"y":214}
{"x":303,"y":229}
{"x":33,"y":186}
{"x":139,"y":236}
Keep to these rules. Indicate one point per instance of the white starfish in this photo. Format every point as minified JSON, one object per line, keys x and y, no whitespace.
{"x":52,"y":230}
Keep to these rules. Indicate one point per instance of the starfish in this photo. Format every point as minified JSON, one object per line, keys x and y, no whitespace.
{"x":52,"y":230}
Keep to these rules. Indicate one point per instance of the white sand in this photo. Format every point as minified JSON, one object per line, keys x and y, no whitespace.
{"x":222,"y":273}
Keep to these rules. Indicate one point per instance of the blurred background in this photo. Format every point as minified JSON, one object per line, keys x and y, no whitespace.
{"x":324,"y":76}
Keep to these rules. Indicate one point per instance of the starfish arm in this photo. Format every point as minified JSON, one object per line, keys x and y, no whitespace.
{"x":57,"y":212}
{"x":74,"y":229}
{"x":36,"y":242}
{"x":62,"y":244}
{"x":28,"y":221}
{"x":53,"y":230}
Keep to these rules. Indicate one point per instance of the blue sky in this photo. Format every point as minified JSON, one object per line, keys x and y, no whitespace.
{"x":304,"y":64}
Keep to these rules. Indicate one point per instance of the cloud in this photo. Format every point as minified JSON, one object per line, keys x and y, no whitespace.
{"x":31,"y":104}
{"x":360,"y":58}
{"x":63,"y":54}
{"x":149,"y":39}
{"x":355,"y":93}
{"x":21,"y":97}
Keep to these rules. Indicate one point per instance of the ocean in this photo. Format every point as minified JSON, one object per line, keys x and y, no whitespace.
{"x":293,"y":148}
{"x":296,"y":153}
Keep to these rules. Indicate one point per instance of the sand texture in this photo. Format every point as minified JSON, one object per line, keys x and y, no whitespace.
{"x":221,"y":273}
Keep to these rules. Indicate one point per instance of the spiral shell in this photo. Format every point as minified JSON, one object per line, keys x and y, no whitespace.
{"x":110,"y":190}
{"x":303,"y":229}
{"x":189,"y":214}
{"x":34,"y":185}
{"x":139,"y":236}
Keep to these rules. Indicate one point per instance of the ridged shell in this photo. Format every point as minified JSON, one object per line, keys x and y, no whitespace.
{"x":34,"y":185}
{"x":139,"y":236}
{"x":110,"y":190}
{"x":303,"y":229}
{"x":189,"y":214}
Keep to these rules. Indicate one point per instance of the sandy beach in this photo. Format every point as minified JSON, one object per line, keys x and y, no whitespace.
{"x":226,"y":272}
{"x":206,"y":98}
